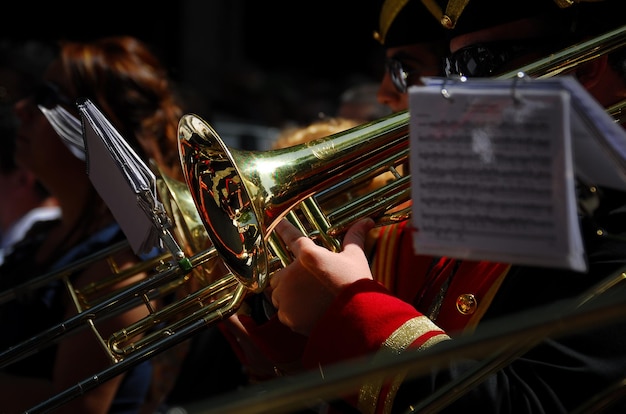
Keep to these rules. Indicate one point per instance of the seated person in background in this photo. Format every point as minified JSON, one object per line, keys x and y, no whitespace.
{"x":124,"y":79}
{"x":24,"y":200}
{"x":319,"y":128}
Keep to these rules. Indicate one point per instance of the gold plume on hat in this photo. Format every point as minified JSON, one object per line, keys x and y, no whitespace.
{"x":388,"y":13}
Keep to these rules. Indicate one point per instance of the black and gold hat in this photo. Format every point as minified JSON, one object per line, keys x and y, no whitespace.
{"x":577,"y":16}
{"x":462,"y":16}
{"x":413,"y":21}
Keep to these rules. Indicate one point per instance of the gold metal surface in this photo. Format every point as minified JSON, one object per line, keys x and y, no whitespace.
{"x":321,"y":186}
{"x":466,"y":303}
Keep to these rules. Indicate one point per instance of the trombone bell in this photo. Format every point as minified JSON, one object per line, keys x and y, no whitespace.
{"x":219,"y":193}
{"x":241,"y":195}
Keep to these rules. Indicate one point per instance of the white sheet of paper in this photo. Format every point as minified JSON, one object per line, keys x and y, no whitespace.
{"x":599,"y":143}
{"x":492,"y":175}
{"x":120,"y":177}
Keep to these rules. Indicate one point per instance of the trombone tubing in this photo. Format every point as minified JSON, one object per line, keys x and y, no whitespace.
{"x":12,"y":293}
{"x":570,"y":57}
{"x":509,"y":336}
{"x":118,"y":303}
{"x":166,"y":342}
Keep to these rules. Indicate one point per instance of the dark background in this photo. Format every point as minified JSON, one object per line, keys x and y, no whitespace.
{"x":242,"y":62}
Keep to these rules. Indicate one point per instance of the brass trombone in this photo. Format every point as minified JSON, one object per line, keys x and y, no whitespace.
{"x":239,"y":196}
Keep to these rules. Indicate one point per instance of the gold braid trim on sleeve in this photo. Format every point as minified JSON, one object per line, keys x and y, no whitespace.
{"x":397,"y":342}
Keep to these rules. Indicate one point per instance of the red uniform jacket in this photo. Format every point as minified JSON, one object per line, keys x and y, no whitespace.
{"x":427,"y":298}
{"x":424,"y":300}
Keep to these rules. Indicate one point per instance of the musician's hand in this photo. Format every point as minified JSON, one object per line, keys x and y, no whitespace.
{"x":304,"y":289}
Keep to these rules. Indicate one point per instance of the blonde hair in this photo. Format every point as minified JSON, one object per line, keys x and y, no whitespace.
{"x":317,"y":129}
{"x":323,"y":128}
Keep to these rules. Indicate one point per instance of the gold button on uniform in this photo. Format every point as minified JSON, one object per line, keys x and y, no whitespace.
{"x":466,"y":303}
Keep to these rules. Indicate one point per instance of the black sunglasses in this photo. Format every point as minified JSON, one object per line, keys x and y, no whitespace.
{"x":485,"y":59}
{"x":49,"y":95}
{"x":398,"y":74}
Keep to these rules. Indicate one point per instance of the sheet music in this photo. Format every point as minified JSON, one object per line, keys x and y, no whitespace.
{"x":121,"y":178}
{"x":598,"y":143}
{"x":492,"y":174}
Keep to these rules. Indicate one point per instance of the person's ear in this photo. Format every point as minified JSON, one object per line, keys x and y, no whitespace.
{"x":590,"y":73}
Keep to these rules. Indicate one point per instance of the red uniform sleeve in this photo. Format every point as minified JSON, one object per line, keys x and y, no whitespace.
{"x":364,"y":320}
